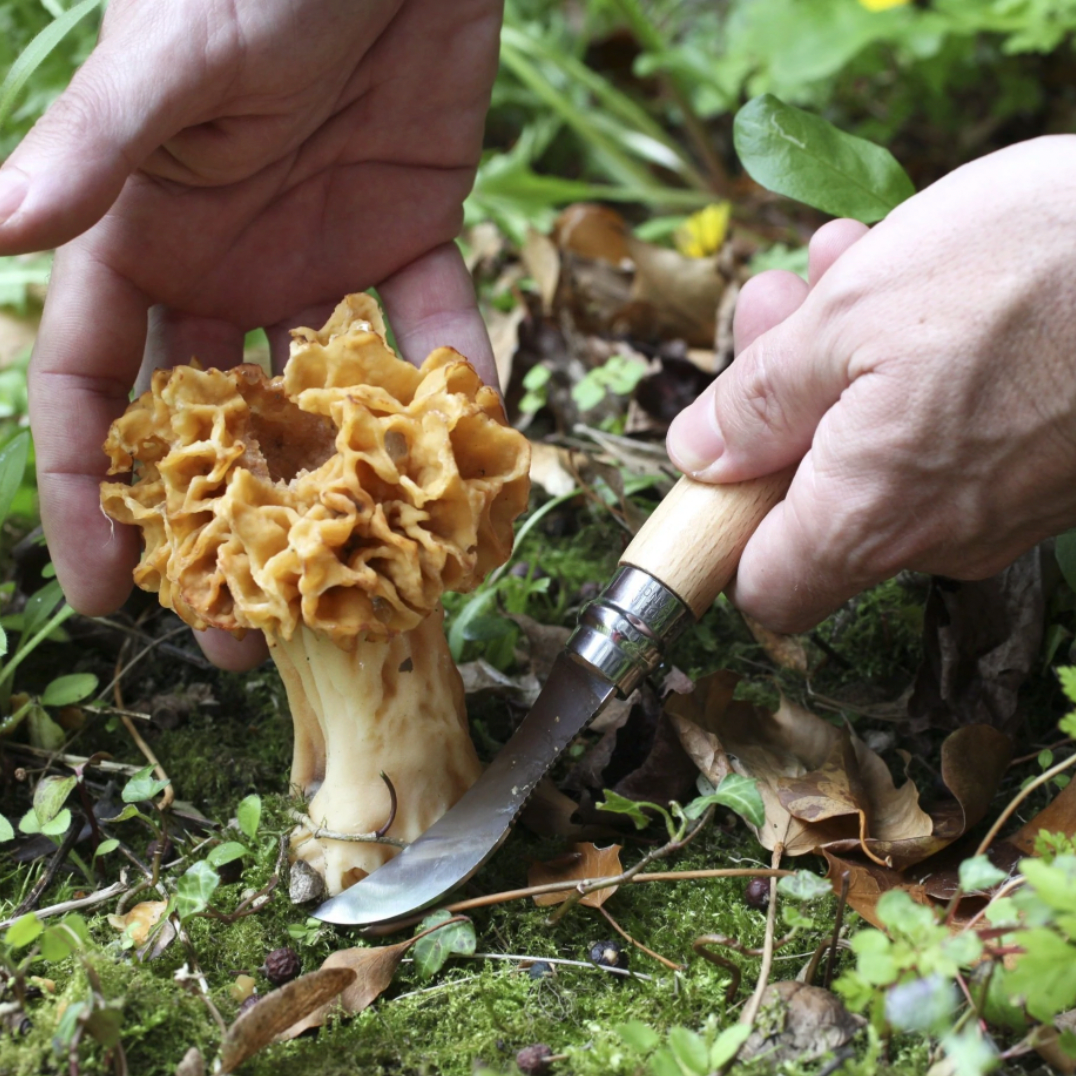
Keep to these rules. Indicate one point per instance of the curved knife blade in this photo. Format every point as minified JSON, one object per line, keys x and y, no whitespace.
{"x":454,"y":847}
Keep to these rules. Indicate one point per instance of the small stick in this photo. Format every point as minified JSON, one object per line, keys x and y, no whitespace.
{"x":752,"y":1007}
{"x":73,"y":760}
{"x":700,"y":947}
{"x":50,"y":872}
{"x":639,"y":945}
{"x":1018,"y":799}
{"x":846,"y":879}
{"x":558,"y":960}
{"x":72,"y":905}
{"x":167,"y":795}
{"x":317,"y":832}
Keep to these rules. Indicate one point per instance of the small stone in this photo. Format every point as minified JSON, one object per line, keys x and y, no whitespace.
{"x":282,"y":965}
{"x":304,"y":883}
{"x":540,"y":969}
{"x":756,"y":893}
{"x":608,"y":954}
{"x":534,"y":1060}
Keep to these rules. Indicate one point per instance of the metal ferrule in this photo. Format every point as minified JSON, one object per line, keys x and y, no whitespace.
{"x":622,"y":633}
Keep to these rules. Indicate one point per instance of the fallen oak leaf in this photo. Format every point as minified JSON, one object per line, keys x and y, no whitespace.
{"x":276,"y":1011}
{"x":583,"y":862}
{"x":140,"y":920}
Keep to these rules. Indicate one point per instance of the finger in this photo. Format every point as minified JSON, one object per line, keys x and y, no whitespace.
{"x":694,"y":440}
{"x":174,"y":338}
{"x":85,"y":359}
{"x":71,"y":167}
{"x":232,"y":654}
{"x":829,"y":243}
{"x":765,"y":301}
{"x":431,"y":303}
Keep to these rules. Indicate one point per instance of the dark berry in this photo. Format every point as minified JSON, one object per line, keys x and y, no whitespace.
{"x":540,"y":969}
{"x":281,"y":966}
{"x":757,"y":893}
{"x":249,"y":1004}
{"x":608,"y":954}
{"x":534,"y":1060}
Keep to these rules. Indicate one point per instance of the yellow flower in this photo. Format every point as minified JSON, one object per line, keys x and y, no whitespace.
{"x":703,"y":233}
{"x":882,"y":5}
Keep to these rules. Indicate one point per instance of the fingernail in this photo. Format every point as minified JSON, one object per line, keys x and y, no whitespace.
{"x":694,"y":440}
{"x":13,"y":187}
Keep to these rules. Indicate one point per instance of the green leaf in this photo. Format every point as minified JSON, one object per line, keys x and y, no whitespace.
{"x":739,"y":794}
{"x":195,"y":888}
{"x":226,"y":853}
{"x":67,"y":690}
{"x":638,"y":1036}
{"x":1065,"y":551}
{"x":7,"y":833}
{"x":13,"y":458}
{"x":104,"y":1024}
{"x":431,"y":952}
{"x":1045,"y":973}
{"x":38,"y":609}
{"x":142,"y":786}
{"x":803,"y":885}
{"x":68,"y":1023}
{"x":57,"y":944}
{"x":44,"y":732}
{"x":23,"y":931}
{"x":1067,"y":676}
{"x":614,"y":803}
{"x":588,"y":393}
{"x":56,"y":827}
{"x":727,"y":1045}
{"x":802,"y":156}
{"x":664,"y":1063}
{"x":970,"y":1053}
{"x":37,"y":52}
{"x":978,"y":873}
{"x":249,"y":815}
{"x":690,"y":1051}
{"x":128,"y":812}
{"x":107,"y":846}
{"x":50,"y":795}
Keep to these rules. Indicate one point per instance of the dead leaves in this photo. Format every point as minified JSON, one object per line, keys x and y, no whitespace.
{"x":825,"y":791}
{"x":582,"y":862}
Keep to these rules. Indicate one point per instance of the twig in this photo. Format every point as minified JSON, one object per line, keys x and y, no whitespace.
{"x":73,"y":760}
{"x":752,"y":1007}
{"x":842,"y":900}
{"x":318,"y":832}
{"x":558,"y":960}
{"x":123,"y":670}
{"x":655,"y":854}
{"x":671,"y":965}
{"x":50,"y":872}
{"x":559,"y":887}
{"x":439,"y":986}
{"x":168,"y":795}
{"x":1019,"y":798}
{"x":701,"y":947}
{"x":73,"y":905}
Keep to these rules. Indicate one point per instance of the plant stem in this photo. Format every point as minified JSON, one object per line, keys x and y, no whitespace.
{"x":1018,"y":799}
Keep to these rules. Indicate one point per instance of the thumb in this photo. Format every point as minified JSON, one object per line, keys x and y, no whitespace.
{"x":67,"y":172}
{"x":760,"y":414}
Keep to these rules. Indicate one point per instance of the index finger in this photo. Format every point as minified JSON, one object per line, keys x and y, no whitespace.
{"x":87,"y":355}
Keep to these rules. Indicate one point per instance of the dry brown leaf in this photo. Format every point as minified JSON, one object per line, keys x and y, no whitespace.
{"x":278,"y":1011}
{"x":481,"y":676}
{"x":140,"y":920}
{"x":549,"y":469}
{"x":582,"y":862}
{"x":549,"y":813}
{"x":785,"y":651}
{"x":1058,"y":816}
{"x":798,"y":1022}
{"x":371,"y":973}
{"x":867,"y":882}
{"x":594,"y":232}
{"x":822,"y":786}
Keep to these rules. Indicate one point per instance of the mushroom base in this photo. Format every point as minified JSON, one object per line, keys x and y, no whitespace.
{"x":390,"y":706}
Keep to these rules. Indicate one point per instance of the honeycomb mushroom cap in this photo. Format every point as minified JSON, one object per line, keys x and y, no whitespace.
{"x":345,"y":495}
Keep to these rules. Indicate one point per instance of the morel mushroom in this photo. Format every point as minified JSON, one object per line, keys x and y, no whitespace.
{"x":329,"y":508}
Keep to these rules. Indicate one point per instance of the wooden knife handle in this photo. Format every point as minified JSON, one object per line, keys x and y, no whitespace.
{"x":693,"y":541}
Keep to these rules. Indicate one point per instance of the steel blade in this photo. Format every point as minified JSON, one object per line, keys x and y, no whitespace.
{"x":454,"y":847}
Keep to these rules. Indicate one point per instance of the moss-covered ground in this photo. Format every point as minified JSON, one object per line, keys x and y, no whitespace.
{"x":476,"y":1010}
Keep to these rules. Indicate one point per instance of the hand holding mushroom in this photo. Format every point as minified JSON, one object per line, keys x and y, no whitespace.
{"x":330,"y":508}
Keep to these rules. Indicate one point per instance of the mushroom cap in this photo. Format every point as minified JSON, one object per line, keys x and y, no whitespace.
{"x":345,"y":495}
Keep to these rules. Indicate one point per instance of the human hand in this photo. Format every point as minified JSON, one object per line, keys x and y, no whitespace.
{"x":225,"y":165}
{"x":927,"y":378}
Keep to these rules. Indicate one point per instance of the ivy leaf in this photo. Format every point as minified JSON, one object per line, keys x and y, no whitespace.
{"x":23,"y":931}
{"x":614,"y":803}
{"x":50,"y":795}
{"x":195,"y":888}
{"x":690,"y":1051}
{"x":249,"y":815}
{"x":30,"y":823}
{"x":727,"y":1045}
{"x":226,"y":853}
{"x":802,"y":156}
{"x":739,"y":794}
{"x":7,"y":832}
{"x":107,"y":846}
{"x":142,"y":786}
{"x":128,"y":812}
{"x":638,"y":1036}
{"x":978,"y":874}
{"x":431,"y":952}
{"x":67,"y":690}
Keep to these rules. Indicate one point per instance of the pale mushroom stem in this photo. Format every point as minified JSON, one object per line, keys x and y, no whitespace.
{"x":391,"y":705}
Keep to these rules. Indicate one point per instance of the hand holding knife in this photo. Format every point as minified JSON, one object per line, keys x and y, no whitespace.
{"x":681,"y":559}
